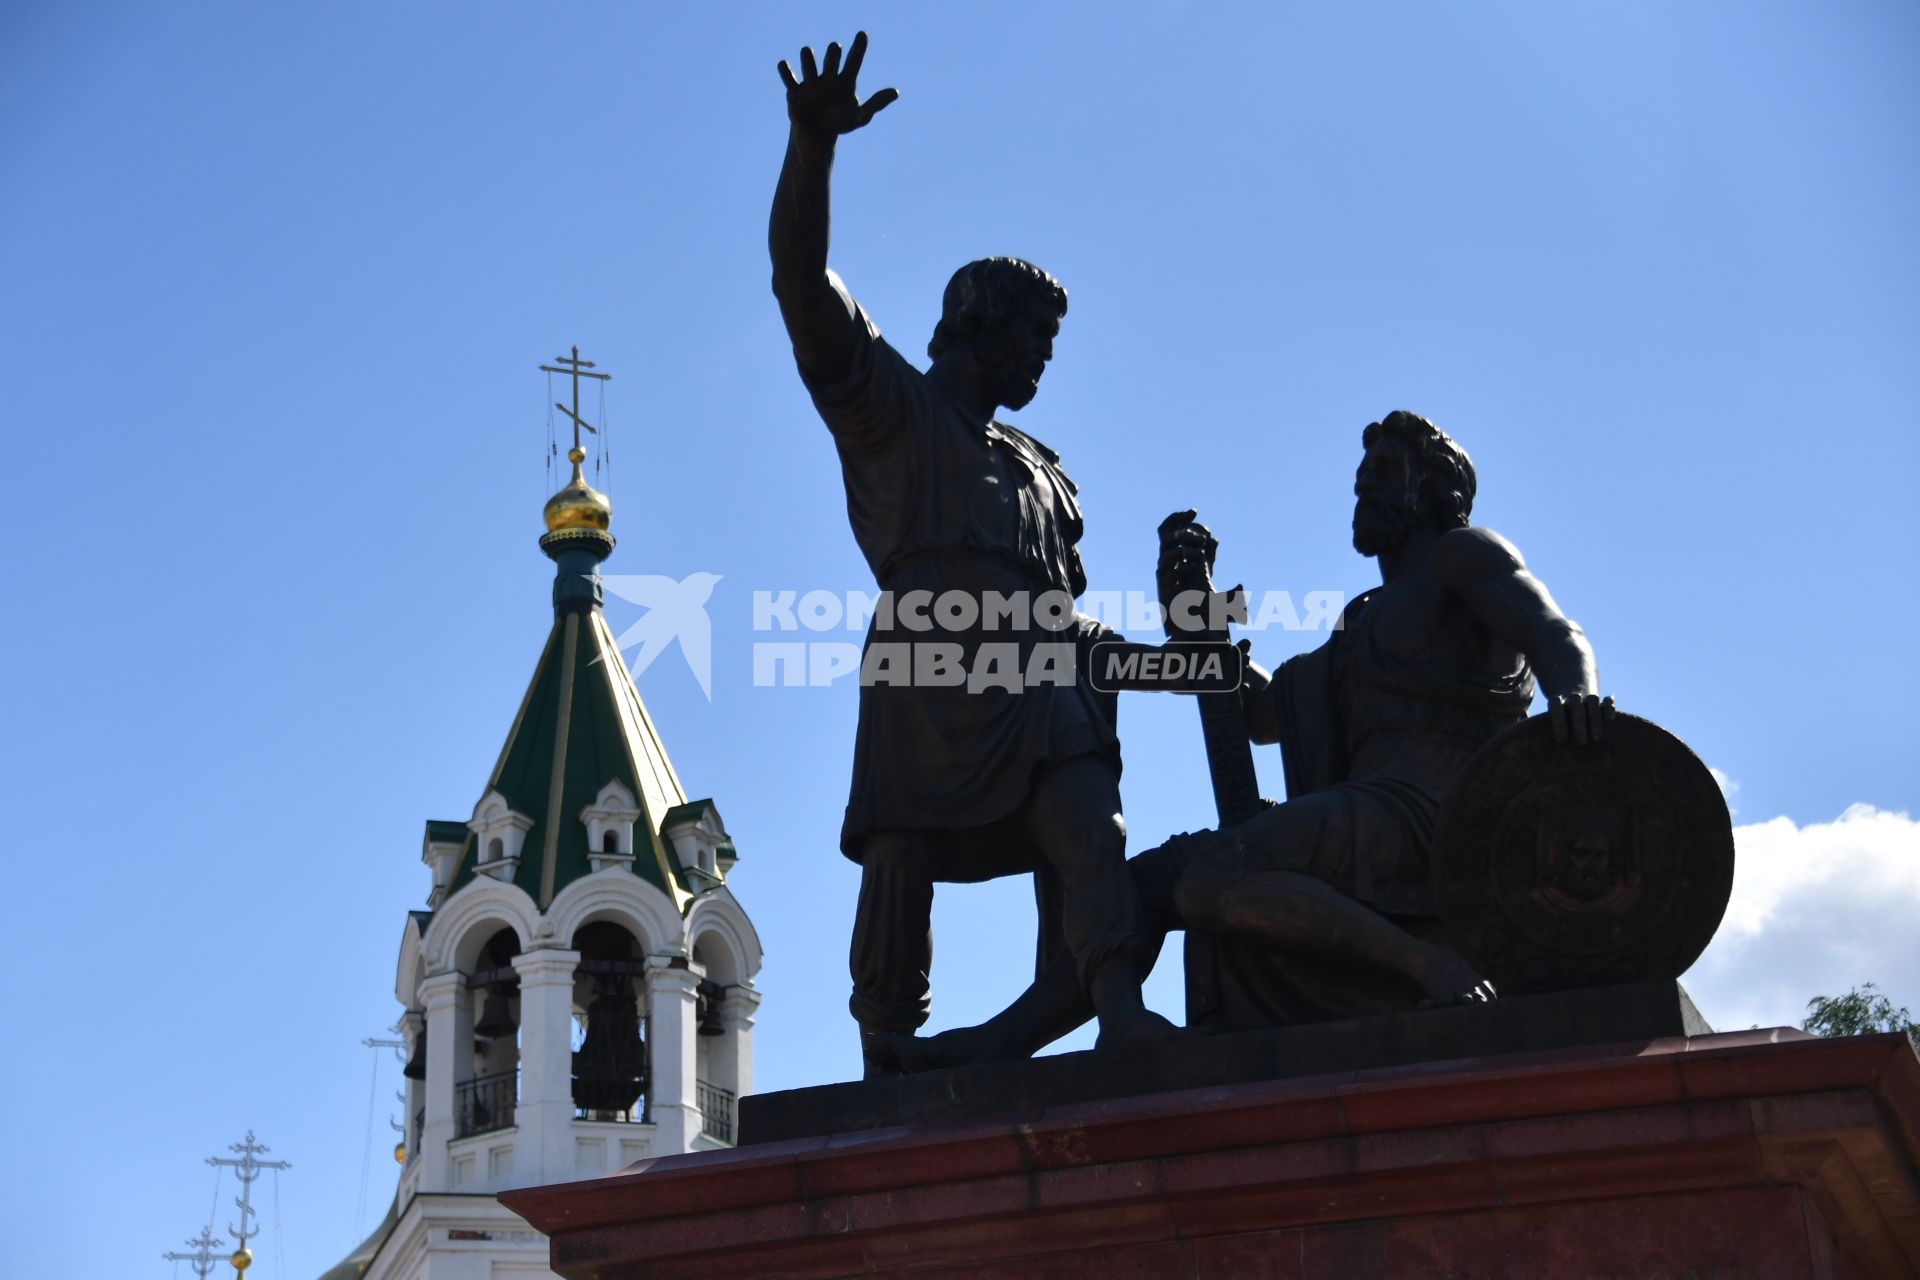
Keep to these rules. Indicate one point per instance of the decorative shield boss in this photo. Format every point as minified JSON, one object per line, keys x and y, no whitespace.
{"x":1558,"y":865}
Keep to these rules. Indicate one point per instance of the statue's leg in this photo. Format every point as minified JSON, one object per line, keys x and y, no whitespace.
{"x":891,"y":956}
{"x":1051,"y":1007}
{"x":1293,"y":913}
{"x":1291,"y":880}
{"x":1056,"y":1003}
{"x":1073,"y":815}
{"x":1049,"y":939}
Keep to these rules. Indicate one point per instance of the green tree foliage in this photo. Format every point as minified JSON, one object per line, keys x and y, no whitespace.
{"x":1862,"y":1011}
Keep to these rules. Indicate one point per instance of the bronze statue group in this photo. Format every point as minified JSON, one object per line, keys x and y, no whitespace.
{"x":1319,"y":907}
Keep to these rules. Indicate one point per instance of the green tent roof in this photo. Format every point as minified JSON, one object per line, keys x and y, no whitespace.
{"x":580,"y":726}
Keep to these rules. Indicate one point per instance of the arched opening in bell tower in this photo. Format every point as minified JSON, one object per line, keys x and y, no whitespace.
{"x":486,"y":1094}
{"x":717,"y":1037}
{"x":610,"y":1062}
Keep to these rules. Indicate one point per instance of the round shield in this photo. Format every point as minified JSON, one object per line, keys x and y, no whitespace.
{"x":1558,"y":865}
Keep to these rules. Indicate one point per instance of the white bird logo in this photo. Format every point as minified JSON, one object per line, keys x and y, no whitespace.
{"x":674,"y":611}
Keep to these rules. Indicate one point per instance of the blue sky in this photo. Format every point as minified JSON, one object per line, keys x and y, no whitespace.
{"x":277,"y":278}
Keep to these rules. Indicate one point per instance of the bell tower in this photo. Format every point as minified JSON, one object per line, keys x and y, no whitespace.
{"x":578,"y":991}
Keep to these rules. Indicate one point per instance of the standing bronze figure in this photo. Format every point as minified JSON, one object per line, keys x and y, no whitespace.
{"x":955,"y":782}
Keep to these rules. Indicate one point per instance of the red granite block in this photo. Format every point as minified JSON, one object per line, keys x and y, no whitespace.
{"x":1899,"y":1092}
{"x":1416,"y":1148}
{"x":1643,"y":1081}
{"x":1330,"y":1158}
{"x":1752,"y":1038}
{"x":1057,"y":1146}
{"x":1479,"y":1065}
{"x":1308,"y":1201}
{"x":1626,"y":1128}
{"x":1813,"y":1112}
{"x":938,"y":1202}
{"x":1253,"y":1255}
{"x":824,"y":1258}
{"x":1869,"y":1201}
{"x":1374,"y":1105}
{"x":1209,"y":1171}
{"x":1587,"y":1175}
{"x":1823,"y":1254}
{"x":1096,"y":1184}
{"x":697,"y":1232}
{"x":1002,"y":1245}
{"x":1796,"y":1066}
{"x":1129,"y":1262}
{"x":1754,"y":1235}
{"x":881,"y":1159}
{"x":678,"y":1184}
{"x":1534,"y":1089}
{"x":1175,"y":1124}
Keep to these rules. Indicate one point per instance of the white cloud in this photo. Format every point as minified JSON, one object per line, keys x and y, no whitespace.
{"x":1727,"y":788}
{"x":1816,"y":910}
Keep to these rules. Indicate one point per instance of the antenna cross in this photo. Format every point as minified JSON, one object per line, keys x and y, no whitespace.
{"x":576,"y":369}
{"x":201,"y":1259}
{"x":246,"y":1168}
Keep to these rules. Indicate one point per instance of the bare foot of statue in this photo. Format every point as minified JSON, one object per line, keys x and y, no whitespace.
{"x":1143,"y":1027}
{"x":1447,"y":979}
{"x":1124,"y":1018}
{"x":959,"y":1047}
{"x":1483,"y":993}
{"x":879,"y":1054}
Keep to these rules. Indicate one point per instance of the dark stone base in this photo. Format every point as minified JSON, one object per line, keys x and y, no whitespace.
{"x":1562,"y":1020}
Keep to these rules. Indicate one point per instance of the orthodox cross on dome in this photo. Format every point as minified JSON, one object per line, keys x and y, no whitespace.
{"x":246,"y":1168}
{"x":576,"y":369}
{"x":201,"y":1259}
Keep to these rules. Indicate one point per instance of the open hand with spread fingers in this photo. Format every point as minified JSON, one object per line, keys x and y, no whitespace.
{"x":824,"y":100}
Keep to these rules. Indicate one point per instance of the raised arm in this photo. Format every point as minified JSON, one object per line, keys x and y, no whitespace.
{"x":821,"y":105}
{"x":1487,"y":573}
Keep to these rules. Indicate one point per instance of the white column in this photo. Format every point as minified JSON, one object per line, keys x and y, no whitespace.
{"x":544,"y":1150}
{"x":449,"y":1046}
{"x":671,"y":1103}
{"x":735,"y":1056}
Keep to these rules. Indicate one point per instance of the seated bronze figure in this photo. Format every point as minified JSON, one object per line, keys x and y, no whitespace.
{"x":1342,"y":901}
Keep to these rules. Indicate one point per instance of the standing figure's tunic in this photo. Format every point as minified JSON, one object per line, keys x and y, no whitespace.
{"x":942,"y":502}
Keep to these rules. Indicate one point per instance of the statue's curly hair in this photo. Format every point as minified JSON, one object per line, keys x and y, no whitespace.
{"x":1447,"y":483}
{"x":984,"y":295}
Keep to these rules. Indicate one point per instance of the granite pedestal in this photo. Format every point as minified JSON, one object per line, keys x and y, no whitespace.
{"x":1751,"y":1154}
{"x":1598,"y":1015}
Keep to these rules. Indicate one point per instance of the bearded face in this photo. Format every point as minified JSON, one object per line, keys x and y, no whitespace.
{"x":1013,"y":357}
{"x":1386,"y":492}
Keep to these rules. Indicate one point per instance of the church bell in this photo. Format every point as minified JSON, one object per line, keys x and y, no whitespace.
{"x":610,"y":1066}
{"x":496,"y":1020}
{"x":707,"y":1007}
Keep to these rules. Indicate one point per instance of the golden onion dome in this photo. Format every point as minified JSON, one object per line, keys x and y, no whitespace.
{"x":579,"y":505}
